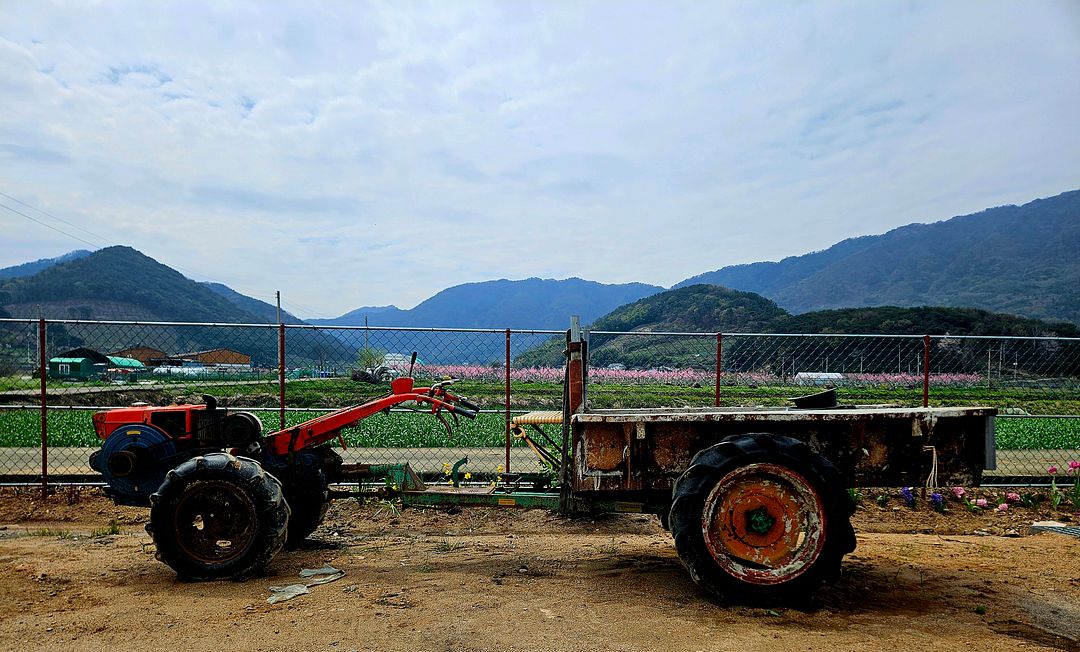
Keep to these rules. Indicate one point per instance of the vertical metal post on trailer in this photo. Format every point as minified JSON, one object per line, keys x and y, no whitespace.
{"x":43,"y":372}
{"x":507,"y":403}
{"x":571,"y":401}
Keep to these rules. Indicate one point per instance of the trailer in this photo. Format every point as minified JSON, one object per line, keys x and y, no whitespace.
{"x":756,"y":499}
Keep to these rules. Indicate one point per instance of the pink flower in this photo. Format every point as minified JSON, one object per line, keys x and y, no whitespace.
{"x":1012,"y":497}
{"x":1003,"y":507}
{"x":1074,"y":466}
{"x":958,"y":492}
{"x":1051,"y":469}
{"x":981,"y":502}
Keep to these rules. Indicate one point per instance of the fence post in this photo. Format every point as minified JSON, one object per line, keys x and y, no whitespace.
{"x":719,"y":364}
{"x":281,"y":373}
{"x":507,"y":404}
{"x":43,"y":372}
{"x":926,"y":371}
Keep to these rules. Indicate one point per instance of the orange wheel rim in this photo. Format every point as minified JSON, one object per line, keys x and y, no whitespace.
{"x":764,"y":524}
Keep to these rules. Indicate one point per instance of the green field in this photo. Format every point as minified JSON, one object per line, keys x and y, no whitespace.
{"x":420,"y":429}
{"x":21,"y":427}
{"x":395,"y":430}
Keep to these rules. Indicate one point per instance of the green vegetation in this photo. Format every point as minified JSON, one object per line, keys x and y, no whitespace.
{"x":21,"y":427}
{"x":396,"y":430}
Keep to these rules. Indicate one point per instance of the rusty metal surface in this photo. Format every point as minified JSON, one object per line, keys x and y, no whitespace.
{"x":645,"y":450}
{"x":773,"y":414}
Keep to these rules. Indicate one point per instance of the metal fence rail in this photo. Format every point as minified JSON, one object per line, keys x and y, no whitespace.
{"x":55,"y":373}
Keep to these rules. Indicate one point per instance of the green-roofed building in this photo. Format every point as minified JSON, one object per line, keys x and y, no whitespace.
{"x":76,"y":368}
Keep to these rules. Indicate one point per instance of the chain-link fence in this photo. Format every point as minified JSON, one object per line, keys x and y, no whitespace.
{"x":287,"y":374}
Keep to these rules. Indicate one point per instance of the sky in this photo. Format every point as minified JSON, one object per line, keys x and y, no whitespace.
{"x":356,"y":154}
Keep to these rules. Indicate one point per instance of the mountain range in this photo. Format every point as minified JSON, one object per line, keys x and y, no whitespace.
{"x":1023,"y":260}
{"x":532,"y":303}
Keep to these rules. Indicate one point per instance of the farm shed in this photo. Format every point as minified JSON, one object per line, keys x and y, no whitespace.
{"x":144,"y":354}
{"x":216,"y":357}
{"x":78,"y":364}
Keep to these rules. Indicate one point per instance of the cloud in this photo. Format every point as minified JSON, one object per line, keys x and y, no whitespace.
{"x":390,"y":150}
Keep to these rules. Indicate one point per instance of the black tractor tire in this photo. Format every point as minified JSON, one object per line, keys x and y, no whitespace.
{"x":761,"y":518}
{"x":306,"y":482}
{"x":217,"y":516}
{"x":308,"y":498}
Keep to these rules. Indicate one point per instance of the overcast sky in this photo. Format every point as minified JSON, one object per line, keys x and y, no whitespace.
{"x":355,"y":154}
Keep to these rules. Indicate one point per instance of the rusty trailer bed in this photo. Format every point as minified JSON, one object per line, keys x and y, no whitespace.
{"x":623,"y":452}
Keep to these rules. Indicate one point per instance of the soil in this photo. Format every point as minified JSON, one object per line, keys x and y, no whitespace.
{"x":78,"y":573}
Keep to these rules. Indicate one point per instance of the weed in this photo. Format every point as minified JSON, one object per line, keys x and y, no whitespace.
{"x":112,"y":528}
{"x":449,"y":545}
{"x":49,"y":532}
{"x":610,"y":548}
{"x":856,"y":496}
{"x":386,"y":508}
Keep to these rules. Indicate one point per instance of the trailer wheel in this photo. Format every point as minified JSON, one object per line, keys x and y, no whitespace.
{"x":218,"y":516}
{"x":761,"y":517}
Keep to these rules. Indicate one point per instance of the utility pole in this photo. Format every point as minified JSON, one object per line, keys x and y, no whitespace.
{"x":278,"y":293}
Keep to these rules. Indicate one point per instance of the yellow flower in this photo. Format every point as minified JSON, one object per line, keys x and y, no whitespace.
{"x":499,"y":469}
{"x":468,"y":476}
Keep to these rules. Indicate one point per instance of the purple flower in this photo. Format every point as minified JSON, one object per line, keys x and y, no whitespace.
{"x":937,"y":502}
{"x":1012,"y":497}
{"x":1003,"y":507}
{"x":958,"y":492}
{"x":981,"y":502}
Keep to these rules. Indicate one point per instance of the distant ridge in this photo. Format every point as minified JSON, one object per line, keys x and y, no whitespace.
{"x":1022,"y":260}
{"x":29,"y":269}
{"x":531,"y":303}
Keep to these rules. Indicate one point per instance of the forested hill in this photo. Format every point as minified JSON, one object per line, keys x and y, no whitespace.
{"x":120,"y":283}
{"x":1023,"y":260}
{"x":712,"y":309}
{"x":263,"y":311}
{"x":696,"y":309}
{"x":117,"y":283}
{"x":922,"y":320}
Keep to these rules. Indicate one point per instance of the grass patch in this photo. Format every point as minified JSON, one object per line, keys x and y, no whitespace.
{"x":49,"y":532}
{"x":109,"y":530}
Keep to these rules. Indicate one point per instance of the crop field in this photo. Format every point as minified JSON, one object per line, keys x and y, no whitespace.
{"x":406,"y":429}
{"x":396,"y":430}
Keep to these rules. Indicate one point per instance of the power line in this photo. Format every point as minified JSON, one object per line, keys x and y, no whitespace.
{"x":48,"y":226}
{"x":58,"y":219}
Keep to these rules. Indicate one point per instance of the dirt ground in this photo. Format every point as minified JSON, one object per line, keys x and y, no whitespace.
{"x":77,"y":573}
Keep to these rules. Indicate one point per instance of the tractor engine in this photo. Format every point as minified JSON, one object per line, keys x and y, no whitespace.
{"x":142,"y":443}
